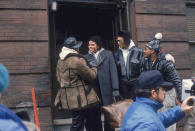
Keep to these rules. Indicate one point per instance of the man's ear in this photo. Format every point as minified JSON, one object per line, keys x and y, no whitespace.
{"x":152,"y":51}
{"x":153,"y":94}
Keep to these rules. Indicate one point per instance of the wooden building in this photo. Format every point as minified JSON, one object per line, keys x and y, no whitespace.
{"x":33,"y":31}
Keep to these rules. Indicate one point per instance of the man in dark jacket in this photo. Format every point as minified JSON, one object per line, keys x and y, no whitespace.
{"x":128,"y":60}
{"x":107,"y":81}
{"x":142,"y":114}
{"x":154,"y":61}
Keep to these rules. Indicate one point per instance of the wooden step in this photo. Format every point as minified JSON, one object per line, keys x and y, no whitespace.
{"x":64,"y":124}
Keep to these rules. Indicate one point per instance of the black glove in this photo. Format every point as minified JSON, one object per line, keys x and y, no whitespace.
{"x":91,"y":60}
{"x":116,"y":96}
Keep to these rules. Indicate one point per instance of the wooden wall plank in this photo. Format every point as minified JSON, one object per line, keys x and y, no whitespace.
{"x":192,"y":58}
{"x":25,"y":57}
{"x":133,"y":21}
{"x":185,"y":74}
{"x":24,"y":49}
{"x":169,"y":18}
{"x":23,"y":25}
{"x":45,"y":119}
{"x":160,"y":6}
{"x":19,"y":91}
{"x":23,"y":4}
{"x":44,"y":114}
{"x":173,"y":28}
{"x":179,"y":50}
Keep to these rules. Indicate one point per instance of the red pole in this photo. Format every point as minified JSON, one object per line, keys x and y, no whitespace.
{"x":36,"y":118}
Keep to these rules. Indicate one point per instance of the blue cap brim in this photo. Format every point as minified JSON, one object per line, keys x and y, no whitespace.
{"x":163,"y":84}
{"x":166,"y":84}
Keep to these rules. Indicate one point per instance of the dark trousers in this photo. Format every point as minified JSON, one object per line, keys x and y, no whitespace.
{"x":127,"y":91}
{"x":106,"y":125}
{"x":90,"y":118}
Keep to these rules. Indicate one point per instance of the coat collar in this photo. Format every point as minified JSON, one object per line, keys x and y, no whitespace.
{"x":98,"y":52}
{"x":153,"y":104}
{"x":130,"y":46}
{"x":100,"y":56}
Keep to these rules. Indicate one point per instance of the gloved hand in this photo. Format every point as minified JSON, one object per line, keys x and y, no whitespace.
{"x":116,"y":96}
{"x":91,"y":60}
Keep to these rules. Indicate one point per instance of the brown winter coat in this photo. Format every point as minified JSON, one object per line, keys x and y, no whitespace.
{"x":73,"y":74}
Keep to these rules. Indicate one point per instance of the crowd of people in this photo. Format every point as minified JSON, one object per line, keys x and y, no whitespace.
{"x":145,"y":76}
{"x":99,"y":78}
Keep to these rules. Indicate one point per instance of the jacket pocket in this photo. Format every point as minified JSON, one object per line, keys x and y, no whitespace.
{"x":135,"y":67}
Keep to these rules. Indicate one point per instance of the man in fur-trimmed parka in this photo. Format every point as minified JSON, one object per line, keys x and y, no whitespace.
{"x":74,"y":74}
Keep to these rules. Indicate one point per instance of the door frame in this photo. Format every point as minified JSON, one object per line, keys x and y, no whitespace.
{"x":125,"y":23}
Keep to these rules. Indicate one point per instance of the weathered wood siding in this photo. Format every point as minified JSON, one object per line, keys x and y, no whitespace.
{"x":168,"y":17}
{"x":24,"y":51}
{"x":24,"y":45}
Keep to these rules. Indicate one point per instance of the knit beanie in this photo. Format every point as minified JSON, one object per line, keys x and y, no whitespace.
{"x":97,"y":40}
{"x":126,"y":35}
{"x":155,"y":43}
{"x":4,"y":78}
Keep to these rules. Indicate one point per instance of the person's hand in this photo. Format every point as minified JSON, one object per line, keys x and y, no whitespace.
{"x":185,"y":107}
{"x":93,"y":63}
{"x":91,"y":60}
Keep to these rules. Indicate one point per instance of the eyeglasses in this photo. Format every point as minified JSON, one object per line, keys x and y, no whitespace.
{"x":119,"y":41}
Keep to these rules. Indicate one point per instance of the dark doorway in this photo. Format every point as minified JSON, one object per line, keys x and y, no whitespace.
{"x":81,"y":19}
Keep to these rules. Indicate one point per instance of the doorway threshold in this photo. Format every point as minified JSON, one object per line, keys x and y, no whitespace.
{"x":108,"y":3}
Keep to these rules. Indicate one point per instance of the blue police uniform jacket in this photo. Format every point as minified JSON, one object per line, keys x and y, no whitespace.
{"x":142,"y":115}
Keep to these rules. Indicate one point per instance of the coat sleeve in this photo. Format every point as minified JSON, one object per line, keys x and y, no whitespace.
{"x":171,"y":116}
{"x":57,"y":72}
{"x":113,"y":75}
{"x":142,"y":62}
{"x":84,"y":71}
{"x":10,"y":125}
{"x":143,"y":127}
{"x":172,"y":76}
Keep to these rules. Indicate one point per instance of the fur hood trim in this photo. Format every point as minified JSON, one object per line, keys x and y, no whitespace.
{"x":131,"y":44}
{"x":65,"y":51}
{"x":169,"y":57}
